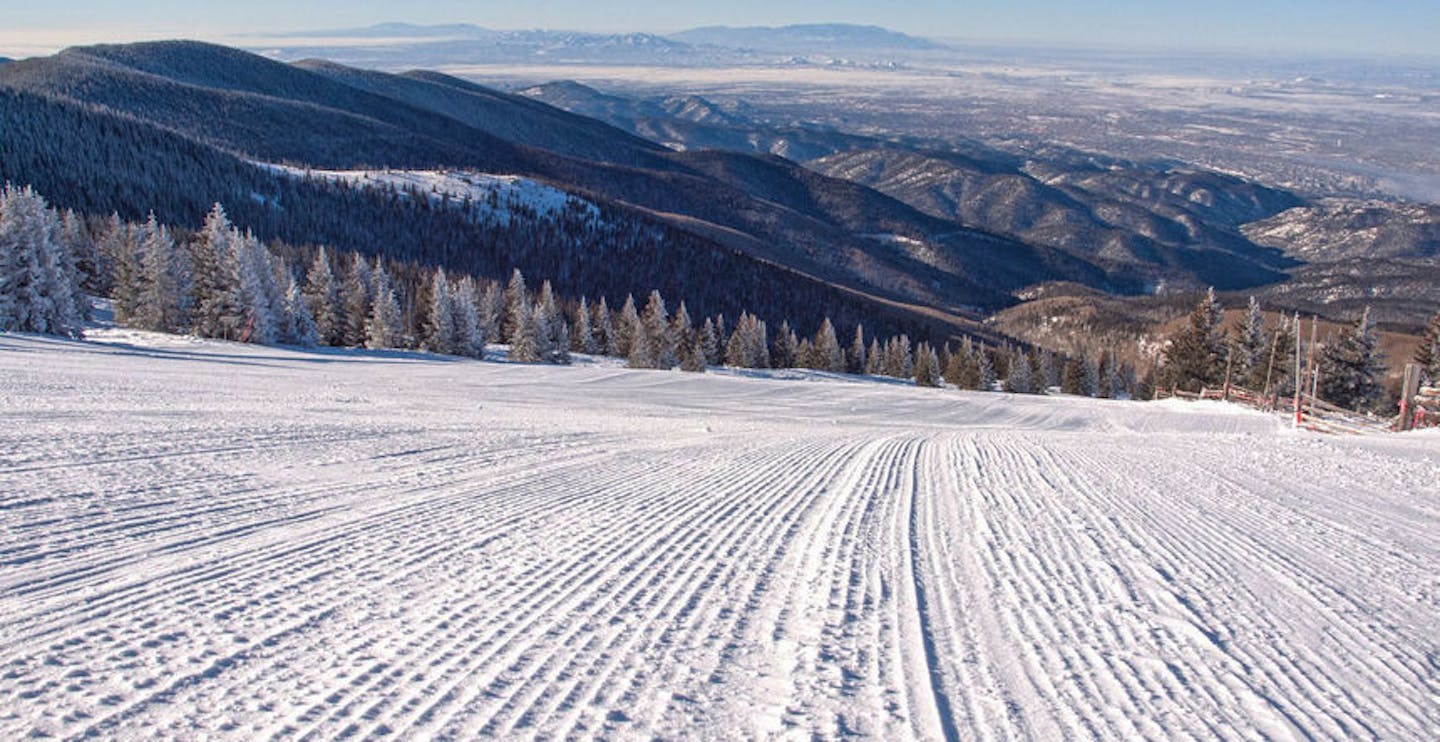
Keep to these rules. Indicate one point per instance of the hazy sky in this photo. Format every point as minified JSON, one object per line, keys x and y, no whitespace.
{"x":1376,"y":27}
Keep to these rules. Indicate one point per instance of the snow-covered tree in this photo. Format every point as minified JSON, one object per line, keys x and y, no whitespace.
{"x":1020,"y":379}
{"x":492,"y":312}
{"x":710,"y":343}
{"x":603,"y":324}
{"x":299,"y":326}
{"x":358,"y":298}
{"x":927,"y":366}
{"x":164,"y":302}
{"x":441,"y":333}
{"x":524,"y":343}
{"x":582,"y":336}
{"x":322,"y":298}
{"x":551,"y":333}
{"x":1352,"y":367}
{"x":785,"y":349}
{"x":517,"y":306}
{"x":874,"y":358}
{"x":215,"y":283}
{"x":261,"y":298}
{"x":1195,"y":357}
{"x":38,"y":286}
{"x":828,"y":355}
{"x":1247,"y":344}
{"x":682,"y":334}
{"x":855,"y":357}
{"x":655,"y":323}
{"x":625,"y":326}
{"x":470,"y":334}
{"x":386,"y":326}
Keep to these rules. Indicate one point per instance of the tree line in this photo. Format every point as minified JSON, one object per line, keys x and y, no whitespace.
{"x":222,"y":282}
{"x":1346,"y":368}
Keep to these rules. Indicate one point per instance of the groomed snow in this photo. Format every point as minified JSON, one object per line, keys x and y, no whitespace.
{"x":205,"y":540}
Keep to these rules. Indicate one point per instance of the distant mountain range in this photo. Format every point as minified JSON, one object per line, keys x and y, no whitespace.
{"x":468,"y":44}
{"x":704,"y":201}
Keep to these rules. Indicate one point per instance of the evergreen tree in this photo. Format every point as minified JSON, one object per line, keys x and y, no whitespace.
{"x":1072,"y":379}
{"x":38,"y":286}
{"x":828,"y":355}
{"x":694,"y":358}
{"x":525,"y":343}
{"x":963,"y":369}
{"x":874,"y":359}
{"x":682,"y":332}
{"x":642,"y":349}
{"x":261,"y":300}
{"x":1089,"y":377}
{"x":214,"y":283}
{"x":655,"y":323}
{"x":582,"y":337}
{"x":164,"y":302}
{"x":322,"y":297}
{"x":604,"y":325}
{"x":552,"y":334}
{"x":517,"y":307}
{"x":1048,"y":371}
{"x":988,"y":376}
{"x":1248,"y":345}
{"x":386,"y":326}
{"x":118,"y":248}
{"x":1277,"y":380}
{"x":470,"y":336}
{"x":441,"y":333}
{"x":492,"y":312}
{"x":300,"y":328}
{"x":1352,"y":367}
{"x":856,"y":356}
{"x":1428,"y":352}
{"x":927,"y":366}
{"x":625,"y":326}
{"x":358,"y":297}
{"x":1020,"y":378}
{"x":899,"y":362}
{"x":1195,"y":357}
{"x":91,"y":272}
{"x":785,"y":350}
{"x":710,"y":343}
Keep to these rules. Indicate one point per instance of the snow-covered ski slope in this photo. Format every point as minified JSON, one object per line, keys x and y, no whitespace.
{"x":216,"y":541}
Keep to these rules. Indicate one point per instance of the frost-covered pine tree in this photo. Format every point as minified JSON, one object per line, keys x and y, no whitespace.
{"x":710,"y":343}
{"x":322,"y":297}
{"x":91,"y":272}
{"x":214,"y":284}
{"x":899,"y":359}
{"x":655,"y":322}
{"x":874,"y":358}
{"x":551,"y":333}
{"x":855,"y":357}
{"x":492,"y":312}
{"x":525,"y":343}
{"x":682,"y":333}
{"x":38,"y":286}
{"x":1047,"y":369}
{"x":471,"y":336}
{"x":164,"y":304}
{"x":828,"y":355}
{"x":785,"y":350}
{"x":986,"y":366}
{"x":1247,"y":344}
{"x":927,"y":366}
{"x":604,"y":326}
{"x":1352,"y":367}
{"x":299,"y":324}
{"x":517,"y":307}
{"x":642,"y":351}
{"x":261,"y":298}
{"x":358,"y":297}
{"x":386,"y":326}
{"x":624,"y":327}
{"x":582,"y":337}
{"x":1020,"y":379}
{"x":1089,"y":377}
{"x":440,"y":333}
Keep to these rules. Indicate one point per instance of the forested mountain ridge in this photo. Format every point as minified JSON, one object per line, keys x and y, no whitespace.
{"x":242,"y":106}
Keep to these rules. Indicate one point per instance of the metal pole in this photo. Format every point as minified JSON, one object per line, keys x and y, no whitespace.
{"x":1299,"y":376}
{"x":1274,"y":348}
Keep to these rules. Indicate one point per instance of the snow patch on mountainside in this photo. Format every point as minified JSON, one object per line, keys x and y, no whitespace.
{"x":489,"y":197}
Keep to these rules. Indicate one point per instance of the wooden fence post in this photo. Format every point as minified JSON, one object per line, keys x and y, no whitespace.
{"x":1409,"y":389}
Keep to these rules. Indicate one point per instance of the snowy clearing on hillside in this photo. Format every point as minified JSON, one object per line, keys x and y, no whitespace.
{"x":208,"y":540}
{"x":492,"y":197}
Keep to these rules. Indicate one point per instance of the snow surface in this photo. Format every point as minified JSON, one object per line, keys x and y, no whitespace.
{"x":207,"y":540}
{"x":494,"y":197}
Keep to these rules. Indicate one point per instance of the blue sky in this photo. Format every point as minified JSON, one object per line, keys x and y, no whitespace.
{"x":1344,"y":26}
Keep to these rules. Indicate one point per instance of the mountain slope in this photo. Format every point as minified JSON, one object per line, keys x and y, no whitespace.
{"x":825,"y":37}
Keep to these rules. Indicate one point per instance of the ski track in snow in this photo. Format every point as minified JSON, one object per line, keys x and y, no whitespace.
{"x":211,"y":540}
